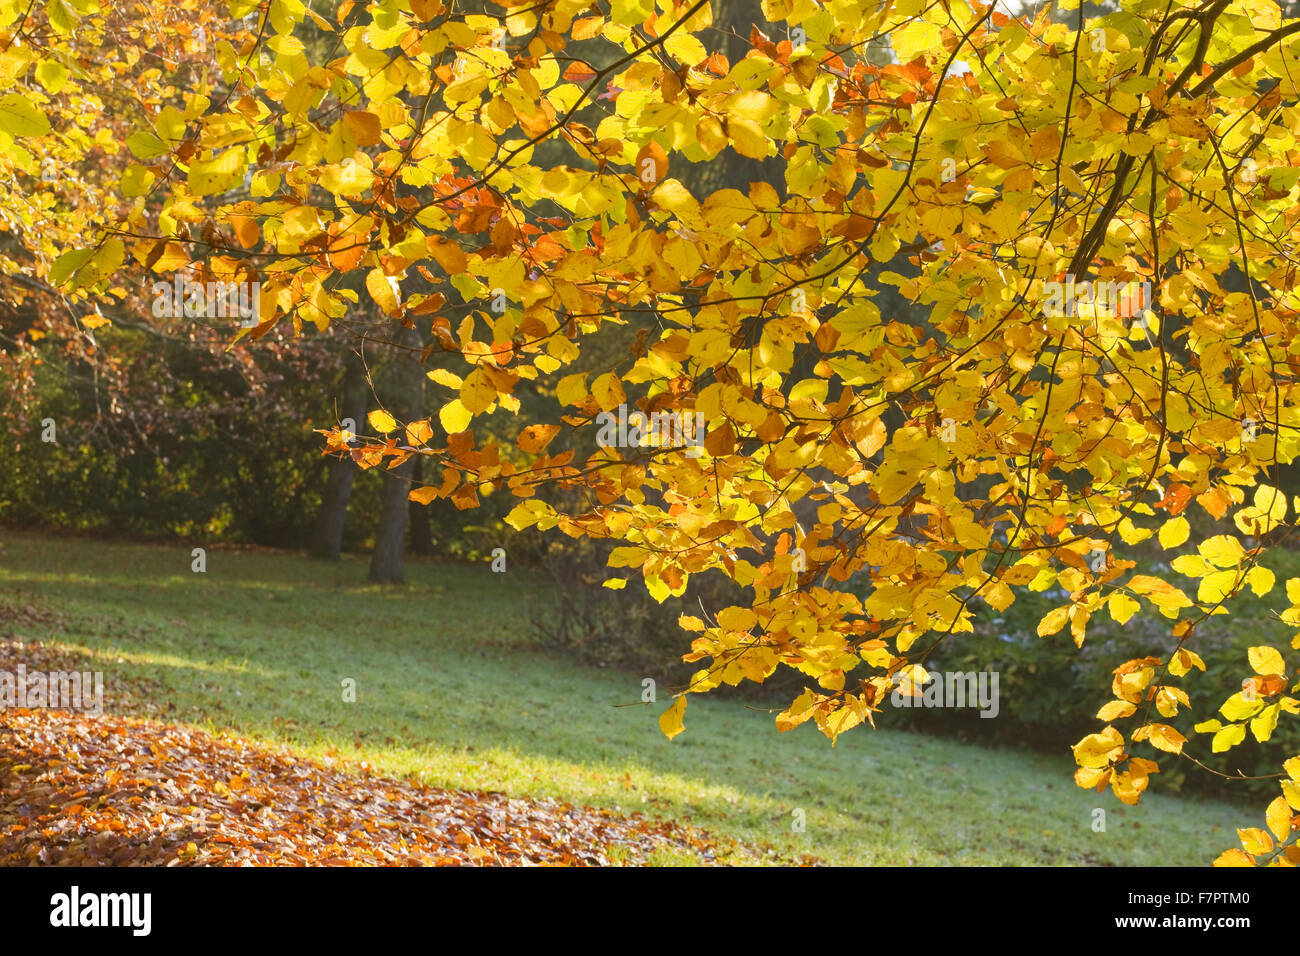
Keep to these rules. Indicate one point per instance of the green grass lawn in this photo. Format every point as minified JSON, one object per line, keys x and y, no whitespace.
{"x":449,"y":692}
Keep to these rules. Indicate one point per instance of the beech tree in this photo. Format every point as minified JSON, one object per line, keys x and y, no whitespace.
{"x":1098,"y":219}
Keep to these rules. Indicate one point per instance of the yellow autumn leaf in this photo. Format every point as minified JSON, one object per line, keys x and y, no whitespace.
{"x":710,"y":136}
{"x":52,"y":74}
{"x":1260,"y":579}
{"x":737,"y":618}
{"x":1266,"y":513}
{"x":1166,"y":738}
{"x":1122,"y":607}
{"x":1222,"y":549}
{"x":1234,"y":857}
{"x":1263,"y":724}
{"x":1053,"y":621}
{"x":218,"y":173}
{"x":422,"y":495}
{"x":1256,"y":841}
{"x":1217,"y":585}
{"x":1238,"y":707}
{"x":1228,"y":737}
{"x":1278,"y":818}
{"x":381,"y":421}
{"x":1291,"y":793}
{"x":1266,"y":660}
{"x":417,"y":433}
{"x":477,"y":392}
{"x":844,"y":719}
{"x":1167,"y":598}
{"x":454,"y":417}
{"x":1115,"y":709}
{"x":20,"y":117}
{"x":444,"y":377}
{"x":747,"y":138}
{"x":383,"y":289}
{"x":571,"y":389}
{"x":800,"y":710}
{"x":1098,"y":750}
{"x":608,"y":392}
{"x":1174,"y":532}
{"x":1168,"y":698}
{"x":1192,"y":565}
{"x":630,"y":12}
{"x":670,"y":721}
{"x":1183,"y":661}
{"x":686,"y":48}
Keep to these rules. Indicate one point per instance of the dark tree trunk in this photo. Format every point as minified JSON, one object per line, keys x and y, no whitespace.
{"x":390,"y":537}
{"x":732,"y":22}
{"x":328,"y":541}
{"x":421,"y":531}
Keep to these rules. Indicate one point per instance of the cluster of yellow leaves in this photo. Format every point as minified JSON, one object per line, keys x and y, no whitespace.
{"x":1253,"y":705}
{"x":1101,"y":755}
{"x":1104,"y":757}
{"x":75,"y":78}
{"x":1277,"y":845}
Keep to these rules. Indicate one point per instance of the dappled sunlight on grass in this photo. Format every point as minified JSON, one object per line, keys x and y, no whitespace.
{"x":157,"y":660}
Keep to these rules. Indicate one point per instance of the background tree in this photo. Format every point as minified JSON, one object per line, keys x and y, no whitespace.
{"x":332,"y":518}
{"x":406,"y":377}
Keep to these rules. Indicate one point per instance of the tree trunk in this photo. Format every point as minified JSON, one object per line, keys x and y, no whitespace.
{"x":732,"y":22}
{"x":328,"y":541}
{"x":421,"y":532}
{"x":390,"y":538}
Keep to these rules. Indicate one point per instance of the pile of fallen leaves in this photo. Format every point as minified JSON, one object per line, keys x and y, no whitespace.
{"x":81,"y":790}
